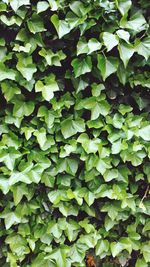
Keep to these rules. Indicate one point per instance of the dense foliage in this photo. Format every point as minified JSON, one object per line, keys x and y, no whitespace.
{"x":75,"y":132}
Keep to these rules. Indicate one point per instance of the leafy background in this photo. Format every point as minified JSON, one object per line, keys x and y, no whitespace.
{"x":75,"y":132}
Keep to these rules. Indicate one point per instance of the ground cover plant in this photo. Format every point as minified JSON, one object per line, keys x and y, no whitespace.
{"x":75,"y":133}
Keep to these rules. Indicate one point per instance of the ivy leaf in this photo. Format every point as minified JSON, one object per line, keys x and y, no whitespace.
{"x":4,"y":185}
{"x":42,"y":6}
{"x":144,"y":133}
{"x":110,"y":40}
{"x":51,"y":57}
{"x":93,"y":45}
{"x":141,"y":262}
{"x":59,"y":256}
{"x":61,"y":26}
{"x":35,"y":24}
{"x":107,"y":66}
{"x":126,"y":51}
{"x":9,"y":157}
{"x":123,"y":6}
{"x":48,"y":88}
{"x":101,"y":247}
{"x":26,"y":67}
{"x":110,"y":175}
{"x":70,"y":127}
{"x":116,"y":248}
{"x":22,"y":109}
{"x":10,"y":218}
{"x":81,"y":66}
{"x":15,"y":4}
{"x":54,"y":4}
{"x":124,"y":35}
{"x":137,"y":22}
{"x":6,"y":73}
{"x":143,"y":48}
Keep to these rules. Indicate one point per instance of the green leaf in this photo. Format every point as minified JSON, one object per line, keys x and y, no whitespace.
{"x":70,"y":127}
{"x":54,"y":4}
{"x":123,"y":109}
{"x":51,"y":57}
{"x":59,"y":256}
{"x":61,"y":26}
{"x":41,"y":136}
{"x":143,"y":48}
{"x":84,"y":47}
{"x":126,"y":51}
{"x":48,"y":88}
{"x":123,"y":6}
{"x":10,"y":219}
{"x":93,"y":45}
{"x":141,"y":262}
{"x":145,"y":251}
{"x":110,"y":40}
{"x":101,"y":247}
{"x":89,"y":198}
{"x":144,"y":133}
{"x":107,"y":66}
{"x":9,"y":157}
{"x":26,"y":67}
{"x":124,"y":35}
{"x":78,"y":8}
{"x":35,"y":24}
{"x":110,"y":175}
{"x":81,"y":66}
{"x":6,"y":73}
{"x":137,"y":22}
{"x":103,"y":165}
{"x":15,"y":4}
{"x":42,"y":6}
{"x":22,"y":109}
{"x":146,"y":227}
{"x":4,"y":185}
{"x":116,"y":248}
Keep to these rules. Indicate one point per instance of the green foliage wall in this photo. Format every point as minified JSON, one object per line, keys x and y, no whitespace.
{"x":75,"y":132}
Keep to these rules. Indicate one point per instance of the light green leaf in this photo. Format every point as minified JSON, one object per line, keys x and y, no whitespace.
{"x":145,"y":251}
{"x":41,"y":136}
{"x":141,"y":263}
{"x":4,"y":185}
{"x":35,"y":24}
{"x":48,"y":88}
{"x":15,"y":4}
{"x":6,"y":73}
{"x":126,"y":51}
{"x":70,"y":127}
{"x":124,"y":35}
{"x":93,"y":45}
{"x":110,"y":40}
{"x":101,"y":247}
{"x":143,"y":48}
{"x":107,"y":66}
{"x":137,"y":22}
{"x":123,"y":109}
{"x":89,"y":198}
{"x":42,"y":6}
{"x":103,"y":165}
{"x":144,"y":133}
{"x":26,"y":67}
{"x":61,"y":26}
{"x":22,"y":109}
{"x":81,"y":66}
{"x":110,"y":175}
{"x":116,"y":248}
{"x":123,"y":6}
{"x":10,"y":219}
